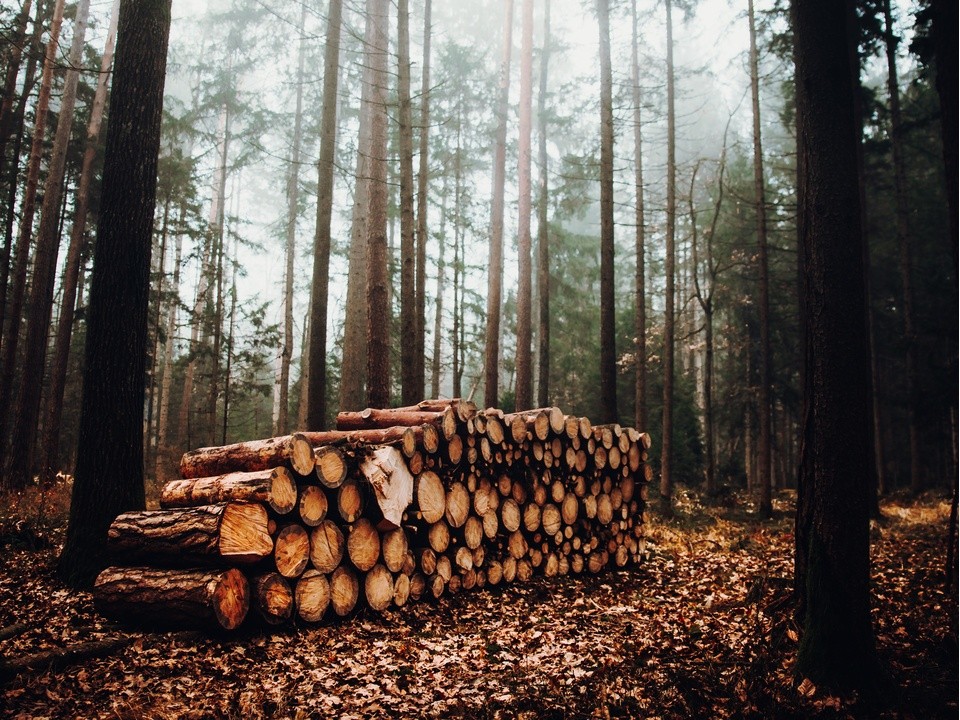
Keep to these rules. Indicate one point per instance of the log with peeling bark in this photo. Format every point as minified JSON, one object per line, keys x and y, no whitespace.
{"x":273,"y":487}
{"x":177,"y":598}
{"x":372,"y":418}
{"x":231,"y":533}
{"x":250,"y":456}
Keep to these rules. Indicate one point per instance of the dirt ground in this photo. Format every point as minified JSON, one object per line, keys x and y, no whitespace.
{"x":704,"y":628}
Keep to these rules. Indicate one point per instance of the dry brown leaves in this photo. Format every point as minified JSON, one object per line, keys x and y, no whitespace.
{"x":703,"y":629}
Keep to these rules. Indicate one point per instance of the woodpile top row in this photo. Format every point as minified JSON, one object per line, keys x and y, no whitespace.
{"x":406,"y":502}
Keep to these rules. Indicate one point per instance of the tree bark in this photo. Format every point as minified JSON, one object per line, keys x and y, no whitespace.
{"x":543,"y":230}
{"x":608,"y":339}
{"x":640,"y":300}
{"x":438,"y":310}
{"x":49,"y":444}
{"x":409,"y":391}
{"x":11,"y":338}
{"x":837,"y":648}
{"x":666,"y":448}
{"x":423,"y":179}
{"x":378,"y":307}
{"x":109,"y":474}
{"x":317,"y":364}
{"x":10,"y":82}
{"x":524,"y":367}
{"x":491,"y":357}
{"x":763,"y":400}
{"x":905,"y":247}
{"x":293,"y":196}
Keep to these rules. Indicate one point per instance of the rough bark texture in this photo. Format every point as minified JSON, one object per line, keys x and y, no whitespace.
{"x":378,"y":307}
{"x":317,"y":363}
{"x":640,"y":300}
{"x":524,"y":365}
{"x":275,"y":488}
{"x":109,"y":475}
{"x":608,"y":349}
{"x":543,"y":230}
{"x":178,"y":598}
{"x":666,"y":449}
{"x":50,"y":439}
{"x":837,"y":646}
{"x":409,"y":391}
{"x":423,"y":179}
{"x":491,"y":357}
{"x":760,"y":201}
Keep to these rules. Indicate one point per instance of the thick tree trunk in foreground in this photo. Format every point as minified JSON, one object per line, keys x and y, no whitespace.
{"x":837,"y":647}
{"x":109,"y":475}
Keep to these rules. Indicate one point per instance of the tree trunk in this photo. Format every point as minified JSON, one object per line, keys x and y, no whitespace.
{"x":353,"y":367}
{"x":214,"y":311}
{"x":378,"y":308}
{"x":423,"y":179}
{"x":109,"y":474}
{"x":640,"y":301}
{"x":543,"y":230}
{"x":17,"y":44}
{"x":666,"y":451}
{"x":457,"y":369}
{"x":166,"y":383}
{"x":293,"y":196}
{"x":524,"y":367}
{"x":837,"y":649}
{"x":905,"y":246}
{"x":20,"y":470}
{"x":491,"y":357}
{"x":410,"y":392}
{"x":50,"y":439}
{"x":763,"y":401}
{"x":11,"y":338}
{"x":608,"y":338}
{"x":317,"y":364}
{"x":438,"y":310}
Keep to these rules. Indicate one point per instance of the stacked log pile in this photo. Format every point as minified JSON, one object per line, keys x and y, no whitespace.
{"x":393,"y":506}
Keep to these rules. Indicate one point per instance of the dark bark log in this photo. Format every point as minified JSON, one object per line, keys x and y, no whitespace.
{"x":109,"y":476}
{"x":174,"y":598}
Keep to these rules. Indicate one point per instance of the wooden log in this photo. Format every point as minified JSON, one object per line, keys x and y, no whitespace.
{"x":510,"y":515}
{"x":392,"y":483}
{"x":272,"y":597}
{"x":394,"y":546}
{"x":363,"y":545}
{"x":326,"y":547}
{"x":495,"y":432}
{"x":313,"y":595}
{"x":524,"y":570}
{"x":586,"y":429}
{"x":429,"y":496}
{"x":479,"y":555}
{"x":473,"y":532}
{"x":426,"y":560}
{"x":291,"y":551}
{"x":551,"y":519}
{"x":344,"y":590}
{"x":438,"y":536}
{"x":509,"y":568}
{"x":463,"y":558}
{"x":371,"y":418}
{"x":401,"y":590}
{"x":350,"y":500}
{"x":444,"y":567}
{"x":604,"y":509}
{"x":531,"y":517}
{"x":491,"y":524}
{"x":517,"y":545}
{"x":455,"y":450}
{"x":330,"y":466}
{"x":436,"y":585}
{"x":177,"y":598}
{"x":569,"y":508}
{"x":378,"y":587}
{"x":250,"y":456}
{"x":494,"y":572}
{"x":234,"y":533}
{"x":313,"y":505}
{"x":457,"y":505}
{"x":418,"y":585}
{"x":274,"y":487}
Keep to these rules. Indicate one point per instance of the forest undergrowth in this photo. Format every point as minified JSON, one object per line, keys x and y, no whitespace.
{"x":704,"y":628}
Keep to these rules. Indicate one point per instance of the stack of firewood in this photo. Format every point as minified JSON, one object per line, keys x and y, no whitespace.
{"x":395,"y":505}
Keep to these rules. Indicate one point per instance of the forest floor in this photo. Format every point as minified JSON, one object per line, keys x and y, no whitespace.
{"x":704,"y":628}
